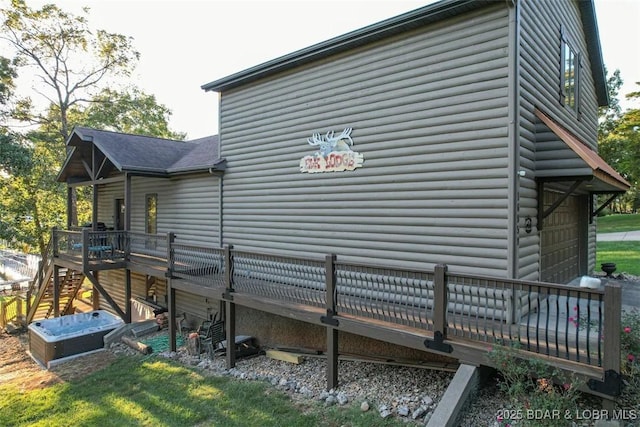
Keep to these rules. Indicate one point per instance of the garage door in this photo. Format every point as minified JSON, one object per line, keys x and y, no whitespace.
{"x":563,"y":253}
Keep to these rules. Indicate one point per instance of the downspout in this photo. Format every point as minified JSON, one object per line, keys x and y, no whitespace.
{"x":513,"y":204}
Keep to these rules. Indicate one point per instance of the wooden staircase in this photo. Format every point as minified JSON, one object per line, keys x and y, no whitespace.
{"x":70,"y":283}
{"x":41,"y":290}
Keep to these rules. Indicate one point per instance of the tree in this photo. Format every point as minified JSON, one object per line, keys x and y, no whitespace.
{"x":71,"y":62}
{"x":619,"y":141}
{"x":32,"y":202}
{"x":132,"y":111}
{"x":14,"y":156}
{"x":610,"y":114}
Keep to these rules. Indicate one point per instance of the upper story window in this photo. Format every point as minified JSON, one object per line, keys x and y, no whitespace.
{"x":570,"y":75}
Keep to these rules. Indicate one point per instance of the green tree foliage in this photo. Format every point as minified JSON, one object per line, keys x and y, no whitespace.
{"x":75,"y":68}
{"x":619,"y":142}
{"x":72,"y":62}
{"x":34,"y":201}
{"x":132,"y":111}
{"x":14,"y":156}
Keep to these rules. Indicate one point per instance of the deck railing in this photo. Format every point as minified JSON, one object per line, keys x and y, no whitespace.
{"x":549,"y":319}
{"x":553,"y":320}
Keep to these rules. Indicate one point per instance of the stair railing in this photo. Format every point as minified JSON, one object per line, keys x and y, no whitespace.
{"x":39,"y":283}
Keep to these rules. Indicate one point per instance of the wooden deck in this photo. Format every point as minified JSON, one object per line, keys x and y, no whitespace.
{"x":460,"y":316}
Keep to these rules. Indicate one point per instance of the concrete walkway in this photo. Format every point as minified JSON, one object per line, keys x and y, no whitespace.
{"x":622,"y":236}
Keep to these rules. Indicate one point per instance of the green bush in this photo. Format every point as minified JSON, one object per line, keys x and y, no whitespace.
{"x":540,"y":394}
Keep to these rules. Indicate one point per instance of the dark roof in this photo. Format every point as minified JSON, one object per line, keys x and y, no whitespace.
{"x":399,"y":24}
{"x":137,"y":154}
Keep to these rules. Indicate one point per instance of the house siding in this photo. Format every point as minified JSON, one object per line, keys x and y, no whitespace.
{"x":107,"y":195}
{"x":542,"y":153}
{"x":189,"y":207}
{"x":429,"y":113}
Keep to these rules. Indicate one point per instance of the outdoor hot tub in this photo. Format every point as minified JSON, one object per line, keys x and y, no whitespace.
{"x":59,"y":337}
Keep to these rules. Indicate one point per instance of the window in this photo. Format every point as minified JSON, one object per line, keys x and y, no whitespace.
{"x":570,"y":76}
{"x":151,"y":214}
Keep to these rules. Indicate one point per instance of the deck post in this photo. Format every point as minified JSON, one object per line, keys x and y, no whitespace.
{"x":440,"y":300}
{"x":612,"y":322}
{"x":332,"y":331}
{"x":171,"y":303}
{"x":54,"y":243}
{"x":171,"y":293}
{"x":127,"y":295}
{"x":440,"y":305}
{"x":230,"y":308}
{"x":612,"y":383}
{"x":56,"y":291}
{"x":85,"y":248}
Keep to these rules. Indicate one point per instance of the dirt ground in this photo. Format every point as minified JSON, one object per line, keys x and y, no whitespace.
{"x":18,"y":368}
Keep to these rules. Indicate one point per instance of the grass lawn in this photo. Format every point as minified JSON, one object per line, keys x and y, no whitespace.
{"x":618,"y":222}
{"x":148,"y":391}
{"x":626,"y":255}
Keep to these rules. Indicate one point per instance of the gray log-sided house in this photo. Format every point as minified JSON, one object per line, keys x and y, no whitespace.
{"x":459,"y":134}
{"x":472,"y":117}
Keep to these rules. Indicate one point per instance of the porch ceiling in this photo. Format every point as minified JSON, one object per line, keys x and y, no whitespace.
{"x":602,"y":178}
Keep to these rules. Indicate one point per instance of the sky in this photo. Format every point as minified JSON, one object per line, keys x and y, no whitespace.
{"x":187,"y":43}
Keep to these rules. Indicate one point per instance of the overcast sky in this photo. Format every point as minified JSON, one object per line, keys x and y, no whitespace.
{"x":187,"y":43}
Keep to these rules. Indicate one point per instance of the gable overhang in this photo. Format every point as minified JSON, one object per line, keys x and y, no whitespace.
{"x":602,"y":178}
{"x":417,"y":18}
{"x":89,"y":162}
{"x":85,"y":161}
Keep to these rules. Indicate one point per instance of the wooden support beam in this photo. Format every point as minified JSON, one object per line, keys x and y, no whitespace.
{"x":230,"y":325}
{"x":332,"y":358}
{"x":284,"y":356}
{"x":127,"y":295}
{"x":331,"y":322}
{"x":127,"y":202}
{"x":96,"y":285}
{"x":604,"y":205}
{"x":171,"y":296}
{"x":56,"y":291}
{"x":561,"y":199}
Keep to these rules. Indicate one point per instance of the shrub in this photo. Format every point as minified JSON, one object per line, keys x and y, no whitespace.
{"x":539,"y":393}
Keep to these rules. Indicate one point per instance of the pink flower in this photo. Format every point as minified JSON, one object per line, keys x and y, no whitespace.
{"x":627,"y":329}
{"x":566,"y":386}
{"x":575,"y":308}
{"x":631,"y":357}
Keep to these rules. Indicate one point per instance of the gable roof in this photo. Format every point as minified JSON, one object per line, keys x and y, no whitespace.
{"x":402,"y":23}
{"x":136,"y":154}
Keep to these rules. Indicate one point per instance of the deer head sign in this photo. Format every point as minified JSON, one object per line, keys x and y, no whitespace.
{"x":333,"y":153}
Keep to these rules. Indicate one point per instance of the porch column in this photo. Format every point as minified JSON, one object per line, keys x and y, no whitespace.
{"x":127,"y":202}
{"x":94,"y":210}
{"x":69,"y":206}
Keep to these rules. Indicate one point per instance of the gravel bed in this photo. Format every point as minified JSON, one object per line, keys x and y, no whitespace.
{"x":409,"y":393}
